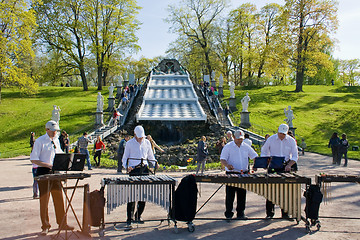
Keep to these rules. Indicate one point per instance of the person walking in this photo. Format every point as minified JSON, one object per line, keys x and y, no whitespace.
{"x":82,"y":145}
{"x":280,"y":145}
{"x":45,"y":148}
{"x":99,"y":146}
{"x":137,"y":153}
{"x":235,"y":157}
{"x":344,"y":145}
{"x":303,"y":146}
{"x":202,"y":153}
{"x":120,"y":152}
{"x":334,"y":144}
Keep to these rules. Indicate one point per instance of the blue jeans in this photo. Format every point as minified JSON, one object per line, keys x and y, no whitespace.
{"x":85,"y":151}
{"x":35,"y":183}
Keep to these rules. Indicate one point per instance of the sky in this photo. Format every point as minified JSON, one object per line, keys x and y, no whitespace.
{"x":154,"y":35}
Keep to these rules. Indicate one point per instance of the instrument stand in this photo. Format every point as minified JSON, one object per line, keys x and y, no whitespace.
{"x":68,"y":205}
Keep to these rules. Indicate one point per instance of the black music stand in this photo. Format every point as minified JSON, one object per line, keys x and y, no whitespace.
{"x":62,"y":161}
{"x":277,"y":163}
{"x":261,"y":162}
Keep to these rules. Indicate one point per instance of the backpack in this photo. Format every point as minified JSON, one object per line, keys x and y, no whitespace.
{"x":186,"y":199}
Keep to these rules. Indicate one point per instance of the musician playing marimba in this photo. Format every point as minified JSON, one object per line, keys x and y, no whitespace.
{"x":43,"y":155}
{"x":280,"y":145}
{"x":235,"y":157}
{"x":136,"y":149}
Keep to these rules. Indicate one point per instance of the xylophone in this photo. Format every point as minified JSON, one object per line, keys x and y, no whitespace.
{"x":158,"y":189}
{"x":283,"y":189}
{"x":62,"y":176}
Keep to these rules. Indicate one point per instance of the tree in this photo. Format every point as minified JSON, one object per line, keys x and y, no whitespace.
{"x":350,"y":71}
{"x":307,"y":20}
{"x":195,"y":19}
{"x":61,"y":27}
{"x":111,"y":26}
{"x":16,"y":25}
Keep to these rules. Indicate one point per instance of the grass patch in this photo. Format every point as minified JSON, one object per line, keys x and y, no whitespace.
{"x":21,"y":114}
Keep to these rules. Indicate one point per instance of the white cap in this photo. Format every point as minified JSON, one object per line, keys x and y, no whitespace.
{"x":139,"y":131}
{"x":239,"y":134}
{"x":229,"y":132}
{"x":52,"y":126}
{"x":283,"y":128}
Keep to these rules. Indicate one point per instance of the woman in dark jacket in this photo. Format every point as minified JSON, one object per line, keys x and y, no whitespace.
{"x":334,"y":143}
{"x":202,"y":153}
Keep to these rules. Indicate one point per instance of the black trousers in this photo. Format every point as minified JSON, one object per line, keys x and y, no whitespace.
{"x":97,"y":155}
{"x":45,"y":188}
{"x":229,"y":201}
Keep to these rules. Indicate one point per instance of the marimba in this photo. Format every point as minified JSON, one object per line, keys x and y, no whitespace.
{"x":325,"y":180}
{"x":158,"y":189}
{"x":283,"y":189}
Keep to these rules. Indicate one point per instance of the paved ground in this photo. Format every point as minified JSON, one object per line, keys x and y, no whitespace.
{"x":20,"y":213}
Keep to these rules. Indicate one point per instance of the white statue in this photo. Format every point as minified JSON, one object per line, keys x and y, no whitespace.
{"x":245,"y":102}
{"x":111,"y":91}
{"x":119,"y":83}
{"x":213,"y":76}
{"x":289,"y":116}
{"x":56,"y":114}
{"x":100,"y":102}
{"x":221,"y":81}
{"x":232,"y":89}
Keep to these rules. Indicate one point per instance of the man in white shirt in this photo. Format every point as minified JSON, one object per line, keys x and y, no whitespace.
{"x":42,"y":155}
{"x":280,"y":145}
{"x":235,"y":157}
{"x":136,"y":149}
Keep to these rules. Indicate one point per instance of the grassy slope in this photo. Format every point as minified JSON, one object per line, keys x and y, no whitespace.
{"x":21,"y":115}
{"x":319,"y":111}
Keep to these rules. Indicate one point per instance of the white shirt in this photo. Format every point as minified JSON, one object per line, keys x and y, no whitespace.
{"x":136,"y":152}
{"x":44,"y":149}
{"x":247,"y":141}
{"x":238,"y":157}
{"x":274,"y":146}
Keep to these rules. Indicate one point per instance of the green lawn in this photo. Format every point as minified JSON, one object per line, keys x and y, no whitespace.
{"x":21,"y":114}
{"x":319,"y":111}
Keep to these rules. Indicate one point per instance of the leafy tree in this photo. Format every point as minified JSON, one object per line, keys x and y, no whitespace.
{"x":111,"y":26}
{"x":310,"y":22}
{"x":350,"y":71}
{"x":16,"y":25}
{"x":195,"y":19}
{"x":61,"y":27}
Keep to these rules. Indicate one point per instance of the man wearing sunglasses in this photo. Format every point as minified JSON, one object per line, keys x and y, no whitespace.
{"x":43,"y":154}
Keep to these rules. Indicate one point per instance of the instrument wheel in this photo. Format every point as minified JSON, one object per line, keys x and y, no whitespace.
{"x":176,"y":230}
{"x":308,"y":230}
{"x":318,"y":226}
{"x":101,"y":233}
{"x":191,"y":227}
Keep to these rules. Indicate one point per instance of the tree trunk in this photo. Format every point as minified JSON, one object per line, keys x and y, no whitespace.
{"x":299,"y":59}
{"x":83,"y":77}
{"x":99,"y":77}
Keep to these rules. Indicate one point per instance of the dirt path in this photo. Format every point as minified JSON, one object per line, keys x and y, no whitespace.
{"x":20,"y":213}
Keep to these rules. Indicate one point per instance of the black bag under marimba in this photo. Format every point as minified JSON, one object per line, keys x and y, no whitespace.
{"x":313,"y":197}
{"x":97,"y":204}
{"x":186,"y":199}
